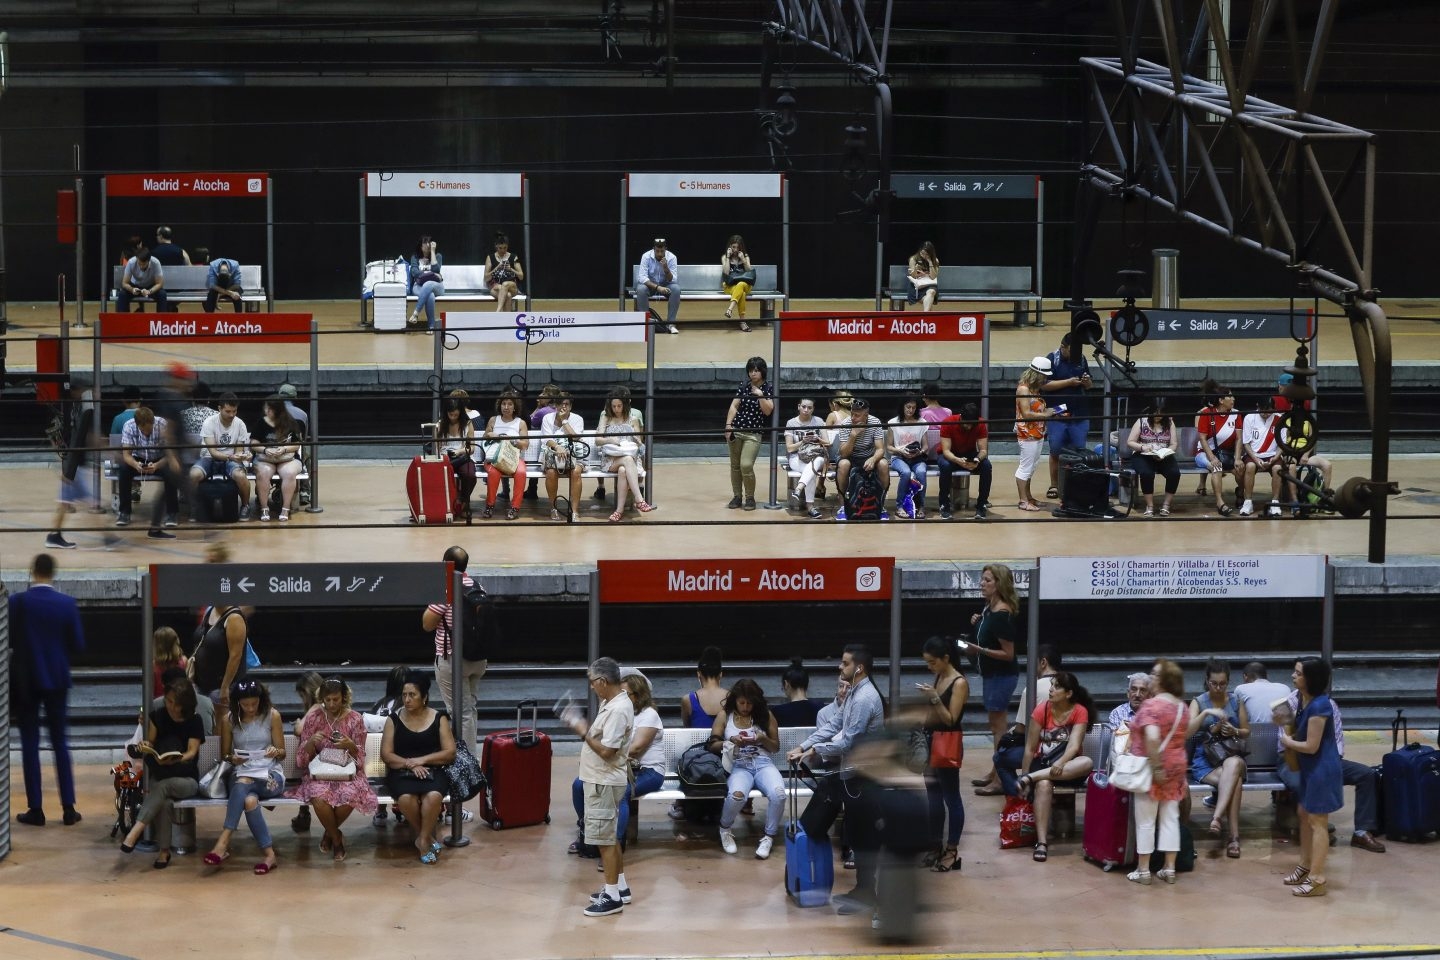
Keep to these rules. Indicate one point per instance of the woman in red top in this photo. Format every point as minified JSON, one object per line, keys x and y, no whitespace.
{"x":1155,"y":733}
{"x":1217,"y":428}
{"x":1053,"y":747}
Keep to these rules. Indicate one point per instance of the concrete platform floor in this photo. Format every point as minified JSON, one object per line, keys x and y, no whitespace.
{"x":68,"y":892}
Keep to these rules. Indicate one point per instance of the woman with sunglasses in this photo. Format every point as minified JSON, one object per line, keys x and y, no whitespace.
{"x":339,"y":732}
{"x":252,"y":738}
{"x":417,"y":747}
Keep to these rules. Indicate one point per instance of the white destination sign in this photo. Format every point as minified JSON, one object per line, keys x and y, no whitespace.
{"x":389,"y":184}
{"x":1181,"y":578}
{"x":706,"y":184}
{"x":547,"y":327}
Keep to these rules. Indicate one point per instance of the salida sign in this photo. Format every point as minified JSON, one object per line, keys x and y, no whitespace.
{"x":186,"y":184}
{"x":895,"y":325}
{"x":745,"y":580}
{"x":234,"y":327}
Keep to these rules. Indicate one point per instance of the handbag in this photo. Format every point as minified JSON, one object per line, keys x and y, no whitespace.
{"x":741,"y":276}
{"x":1219,"y":749}
{"x":621,"y":448}
{"x":216,"y":783}
{"x":504,"y":457}
{"x":466,"y":778}
{"x":252,"y":659}
{"x":810,"y":452}
{"x":947,"y":749}
{"x":1012,"y":737}
{"x":332,"y":763}
{"x":917,"y":750}
{"x":1131,"y":772}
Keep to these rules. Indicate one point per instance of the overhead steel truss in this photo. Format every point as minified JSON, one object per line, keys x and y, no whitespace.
{"x":1219,"y":157}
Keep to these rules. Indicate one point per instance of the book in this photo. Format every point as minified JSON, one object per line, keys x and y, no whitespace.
{"x":145,"y":748}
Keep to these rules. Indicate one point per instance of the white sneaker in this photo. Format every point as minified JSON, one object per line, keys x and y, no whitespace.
{"x":727,"y":841}
{"x":1247,"y":508}
{"x":1274,"y":510}
{"x":762,"y":851}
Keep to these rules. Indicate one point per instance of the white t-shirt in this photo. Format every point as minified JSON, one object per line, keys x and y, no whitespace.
{"x":551,"y":428}
{"x":613,"y":727}
{"x":218,"y":438}
{"x":902,"y":435}
{"x":1258,"y":434}
{"x":1042,"y":694}
{"x":796,"y":428}
{"x":1257,"y":697}
{"x":654,"y":755}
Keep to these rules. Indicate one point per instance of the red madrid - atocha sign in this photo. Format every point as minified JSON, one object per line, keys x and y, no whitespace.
{"x":746,"y":580}
{"x":220,"y":326}
{"x":187,"y":184}
{"x":877,"y":327}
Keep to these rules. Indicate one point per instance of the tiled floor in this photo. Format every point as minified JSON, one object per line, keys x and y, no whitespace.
{"x":515,"y":894}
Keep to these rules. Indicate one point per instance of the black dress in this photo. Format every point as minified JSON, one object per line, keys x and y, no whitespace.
{"x":407,"y":743}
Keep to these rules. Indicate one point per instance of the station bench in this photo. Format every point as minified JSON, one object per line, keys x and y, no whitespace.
{"x":972,"y":284}
{"x":187,"y":285}
{"x":110,"y":469}
{"x":464,"y":283}
{"x":701,"y":282}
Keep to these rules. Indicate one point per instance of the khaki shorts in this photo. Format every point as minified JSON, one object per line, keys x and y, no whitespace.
{"x":602,"y":812}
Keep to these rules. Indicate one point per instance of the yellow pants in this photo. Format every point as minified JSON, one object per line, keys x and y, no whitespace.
{"x":738,"y":292}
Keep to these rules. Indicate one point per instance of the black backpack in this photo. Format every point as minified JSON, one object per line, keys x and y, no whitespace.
{"x":862,"y":499}
{"x":701,"y":772}
{"x":482,"y":636}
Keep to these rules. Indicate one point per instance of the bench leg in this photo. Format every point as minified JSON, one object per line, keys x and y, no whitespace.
{"x":959,"y":491}
{"x":182,"y":831}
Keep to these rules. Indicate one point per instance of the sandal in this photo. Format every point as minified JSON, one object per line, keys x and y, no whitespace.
{"x":643,"y":507}
{"x":744,"y":327}
{"x":1139,"y":876}
{"x":555,"y":513}
{"x":949,"y":860}
{"x":489,"y":512}
{"x":429,"y":857}
{"x":1164,"y":511}
{"x":264,"y":867}
{"x":285,"y":514}
{"x":932,"y":858}
{"x":1025,"y":784}
{"x":616,"y":517}
{"x":1296,"y":877}
{"x":511,"y":513}
{"x":339,"y":850}
{"x":1167,"y":875}
{"x":730,"y":310}
{"x":1215,"y":827}
{"x":1224,"y":509}
{"x":1148,"y":512}
{"x":1028,"y":506}
{"x":1310,"y":888}
{"x":1232,"y":849}
{"x":1052,"y":494}
{"x":213,"y":859}
{"x":1042,"y":853}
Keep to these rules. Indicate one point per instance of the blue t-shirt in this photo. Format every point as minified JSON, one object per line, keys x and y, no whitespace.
{"x":1064,"y":370}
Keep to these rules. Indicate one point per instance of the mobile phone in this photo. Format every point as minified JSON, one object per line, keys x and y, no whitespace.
{"x":1062,"y":408}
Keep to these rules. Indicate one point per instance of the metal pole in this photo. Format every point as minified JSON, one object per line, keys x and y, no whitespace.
{"x":525,"y":212}
{"x":784,"y":247}
{"x":1040,"y":251}
{"x":649,"y":409}
{"x":624,"y":239}
{"x":103,"y":295}
{"x":1032,"y":634}
{"x":1327,"y":615}
{"x":592,"y":633}
{"x":363,"y":260}
{"x":438,"y":362}
{"x":897,"y":577}
{"x":269,"y":243}
{"x":458,"y":709}
{"x":775,"y":461}
{"x":147,"y":657}
{"x":80,"y":250}
{"x":985,"y":369}
{"x":314,"y":438}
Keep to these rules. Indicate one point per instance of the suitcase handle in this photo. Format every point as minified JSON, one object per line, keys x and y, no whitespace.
{"x":523,"y":737}
{"x":1396,"y":725}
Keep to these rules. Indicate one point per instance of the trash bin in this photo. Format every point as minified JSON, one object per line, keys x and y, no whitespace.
{"x":1166,"y":272}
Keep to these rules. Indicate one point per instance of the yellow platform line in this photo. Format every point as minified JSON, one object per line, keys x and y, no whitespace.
{"x":1347,"y":950}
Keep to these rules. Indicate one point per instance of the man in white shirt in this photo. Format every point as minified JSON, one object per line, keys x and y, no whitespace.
{"x":225,"y":442}
{"x":1262,"y":455}
{"x":604,"y":774}
{"x":1258,"y":691}
{"x":659,"y":276}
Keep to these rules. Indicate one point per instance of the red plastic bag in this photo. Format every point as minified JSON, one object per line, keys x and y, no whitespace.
{"x":1017,"y":824}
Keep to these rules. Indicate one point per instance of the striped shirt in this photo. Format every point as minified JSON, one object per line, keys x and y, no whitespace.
{"x":447,"y":622}
{"x":144,"y":448}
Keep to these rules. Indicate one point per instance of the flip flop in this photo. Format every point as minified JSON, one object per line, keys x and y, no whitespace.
{"x":429,"y":857}
{"x":1042,"y":853}
{"x":263,"y":868}
{"x":215,"y":859}
{"x":1028,"y":507}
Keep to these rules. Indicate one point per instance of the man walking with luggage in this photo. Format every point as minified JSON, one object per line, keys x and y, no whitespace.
{"x":604,"y":773}
{"x":863,"y":712}
{"x":45,"y":632}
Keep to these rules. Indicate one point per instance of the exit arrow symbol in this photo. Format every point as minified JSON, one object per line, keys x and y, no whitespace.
{"x":932,"y":184}
{"x":1232,"y":324}
{"x":332,"y":583}
{"x":245,"y":584}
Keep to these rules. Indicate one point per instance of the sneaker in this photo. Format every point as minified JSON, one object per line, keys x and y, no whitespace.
{"x":815,"y":514}
{"x":884,"y":514}
{"x":1209,"y":802}
{"x":980,"y":513}
{"x":840,"y":514}
{"x":599,"y":493}
{"x":381,"y":818}
{"x":603,"y":906}
{"x":245,"y":513}
{"x":735,"y":503}
{"x":1274,"y":510}
{"x":671,"y":328}
{"x":1247,"y":508}
{"x":158,"y":534}
{"x":676,"y":812}
{"x":465,"y":816}
{"x":122,"y":520}
{"x":945,"y":513}
{"x":171,"y":520}
{"x":749,"y":503}
{"x":625,"y":895}
{"x":795,"y":502}
{"x":56,"y":541}
{"x":762,"y":850}
{"x":727,"y":841}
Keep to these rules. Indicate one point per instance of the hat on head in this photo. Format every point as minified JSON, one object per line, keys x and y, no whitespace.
{"x":1042,"y":365}
{"x":632,"y":672}
{"x":1285,"y":379}
{"x":288,"y":391}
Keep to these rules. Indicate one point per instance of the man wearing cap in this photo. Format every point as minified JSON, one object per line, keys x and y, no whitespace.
{"x":659,"y":278}
{"x":222,"y":281}
{"x":1069,"y":378}
{"x":142,"y":279}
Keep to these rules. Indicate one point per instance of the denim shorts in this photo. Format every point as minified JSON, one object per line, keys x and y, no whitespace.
{"x":998,"y":689}
{"x":1063,"y":432}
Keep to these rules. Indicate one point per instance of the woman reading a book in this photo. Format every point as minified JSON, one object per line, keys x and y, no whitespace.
{"x":334,"y":734}
{"x":1153,"y":439}
{"x":252,"y":739}
{"x":171,"y":749}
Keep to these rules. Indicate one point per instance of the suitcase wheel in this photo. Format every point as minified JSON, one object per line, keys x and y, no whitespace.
{"x":547,"y":819}
{"x":496,"y":824}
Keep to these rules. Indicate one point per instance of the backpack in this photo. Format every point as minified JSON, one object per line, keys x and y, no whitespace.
{"x":482,"y":636}
{"x":862,"y":499}
{"x":700,"y":771}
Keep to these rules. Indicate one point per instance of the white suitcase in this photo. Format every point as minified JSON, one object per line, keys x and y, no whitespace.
{"x":389,"y":307}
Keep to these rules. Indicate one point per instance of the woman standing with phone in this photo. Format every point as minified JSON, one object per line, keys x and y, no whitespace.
{"x":994,"y":650}
{"x":947,"y":696}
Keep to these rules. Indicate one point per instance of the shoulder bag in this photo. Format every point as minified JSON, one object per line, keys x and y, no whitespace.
{"x":741,"y":276}
{"x":332,"y":763}
{"x":505,"y":457}
{"x":215,"y":785}
{"x":947,"y":747}
{"x":466,"y":779}
{"x":1131,"y":772}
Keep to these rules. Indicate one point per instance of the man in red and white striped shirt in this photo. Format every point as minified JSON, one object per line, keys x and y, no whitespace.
{"x":439,"y":618}
{"x":1262,"y":455}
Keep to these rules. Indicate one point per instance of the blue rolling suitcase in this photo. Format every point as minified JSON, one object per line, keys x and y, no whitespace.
{"x":1411,"y":777}
{"x":809,"y":863}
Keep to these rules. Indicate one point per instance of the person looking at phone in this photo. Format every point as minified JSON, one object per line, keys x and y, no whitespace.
{"x":994,"y":650}
{"x":965,"y":445}
{"x":336,"y":734}
{"x":748,"y":731}
{"x":252,"y":739}
{"x":604,"y":766}
{"x":1069,"y":379}
{"x":1030,"y":416}
{"x":736,"y":278}
{"x":425,"y":283}
{"x":503,"y":274}
{"x":806,"y":441}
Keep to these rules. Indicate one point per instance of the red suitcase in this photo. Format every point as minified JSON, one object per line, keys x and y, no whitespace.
{"x":1106,"y":834}
{"x":430,"y":485}
{"x":516,"y":764}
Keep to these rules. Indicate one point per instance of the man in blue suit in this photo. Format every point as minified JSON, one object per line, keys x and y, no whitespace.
{"x":44,"y":632}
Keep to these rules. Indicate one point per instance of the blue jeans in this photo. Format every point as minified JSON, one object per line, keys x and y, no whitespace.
{"x":647,"y":780}
{"x":672,"y":301}
{"x":761,"y":774}
{"x":943,"y":790}
{"x":262,"y":790}
{"x":425,"y":298}
{"x":903,"y":471}
{"x":1006,"y":763}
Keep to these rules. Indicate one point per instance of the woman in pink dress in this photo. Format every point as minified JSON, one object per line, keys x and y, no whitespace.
{"x":334,"y":729}
{"x":1156,"y":733}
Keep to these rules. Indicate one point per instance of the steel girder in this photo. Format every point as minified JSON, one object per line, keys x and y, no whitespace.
{"x":1219,"y":157}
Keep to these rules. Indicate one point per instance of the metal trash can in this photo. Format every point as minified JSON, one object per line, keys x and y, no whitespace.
{"x":1166,"y":271}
